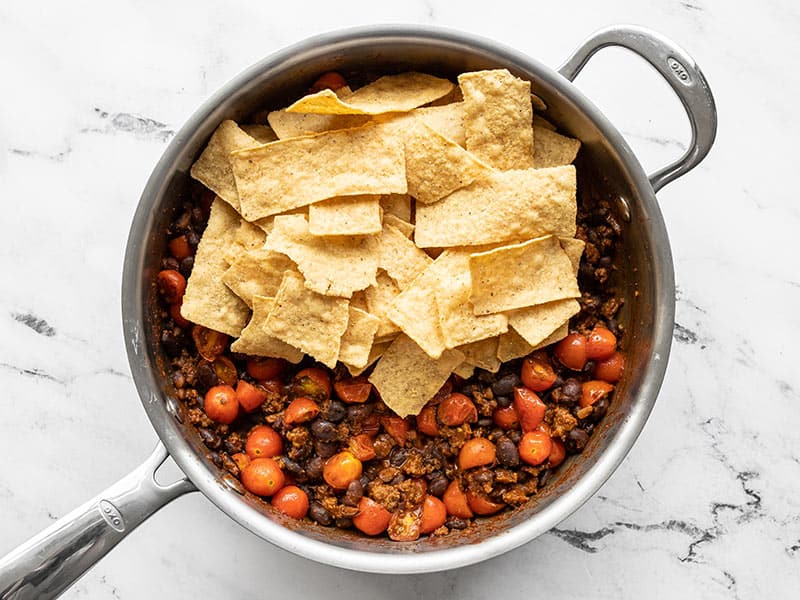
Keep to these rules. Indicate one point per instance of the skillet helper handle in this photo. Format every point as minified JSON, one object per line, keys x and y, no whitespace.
{"x":46,"y":565}
{"x":682,"y":74}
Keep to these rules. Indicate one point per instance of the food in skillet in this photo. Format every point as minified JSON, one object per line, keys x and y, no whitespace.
{"x":388,"y":324}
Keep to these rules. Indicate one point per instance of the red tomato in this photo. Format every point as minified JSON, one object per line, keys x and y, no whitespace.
{"x":397,"y":427}
{"x":457,"y":409}
{"x":404,"y":525}
{"x":506,"y":418}
{"x":537,"y":374}
{"x":601,"y":343}
{"x":340,"y":469}
{"x":426,"y":421}
{"x":265,"y":368}
{"x":179,"y":247}
{"x":571,"y":351}
{"x":610,"y":369}
{"x":593,"y":390}
{"x":172,"y":285}
{"x":481,"y":505}
{"x":241,"y":459}
{"x":534,"y":447}
{"x":328,"y":81}
{"x":557,"y":453}
{"x":434,"y":514}
{"x":249,"y":396}
{"x":455,"y":500}
{"x":262,"y":477}
{"x":361,"y":447}
{"x":300,"y":410}
{"x":292,"y":501}
{"x":225,"y":370}
{"x":263,"y":442}
{"x":529,"y":407}
{"x":372,"y":518}
{"x":476,"y":453}
{"x":175,"y":313}
{"x":221,"y":405}
{"x":210,"y":344}
{"x":314,"y":382}
{"x":353,"y":391}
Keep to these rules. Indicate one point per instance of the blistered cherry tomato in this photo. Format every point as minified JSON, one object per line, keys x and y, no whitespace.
{"x":372,"y":518}
{"x":221,"y":405}
{"x":313,"y":382}
{"x":434,"y":514}
{"x":353,"y":391}
{"x":210,"y":344}
{"x":340,"y":469}
{"x":328,"y":81}
{"x":455,"y":500}
{"x":530,"y":408}
{"x":362,"y":447}
{"x":179,"y":247}
{"x":610,"y":369}
{"x":241,"y":459}
{"x":557,"y":453}
{"x":426,"y":421}
{"x":172,"y":285}
{"x":263,"y":442}
{"x":397,"y":427}
{"x":482,"y":505}
{"x":262,"y":477}
{"x":506,"y":418}
{"x":534,"y":447}
{"x":476,"y":453}
{"x":593,"y":390}
{"x":225,"y":370}
{"x":265,"y":368}
{"x":300,"y":410}
{"x":571,"y":351}
{"x":292,"y":501}
{"x":537,"y":374}
{"x":600,"y":344}
{"x":249,"y":396}
{"x":175,"y":313}
{"x":456,"y":409}
{"x":404,"y":525}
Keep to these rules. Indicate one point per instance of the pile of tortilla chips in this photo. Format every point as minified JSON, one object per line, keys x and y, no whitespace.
{"x":413,"y":224}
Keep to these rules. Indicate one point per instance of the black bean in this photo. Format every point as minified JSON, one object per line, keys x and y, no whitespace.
{"x":605,"y":261}
{"x":170,"y":343}
{"x":325,"y":449}
{"x":232,"y":447}
{"x":206,"y":375}
{"x":485,"y":422}
{"x":506,"y":384}
{"x":334,"y":411}
{"x":344,"y":522}
{"x":215,"y":458}
{"x":323,"y":430}
{"x":358,"y":412}
{"x":544,"y":477}
{"x":187,"y":264}
{"x":576,"y":440}
{"x":181,"y":224}
{"x":437,"y":486}
{"x":398,"y":456}
{"x":178,"y":379}
{"x":572,"y":389}
{"x":364,"y":481}
{"x":398,"y":479}
{"x":515,"y":435}
{"x":456,"y":523}
{"x":314,"y":467}
{"x":507,"y":453}
{"x":503,"y":401}
{"x":588,"y":368}
{"x":210,"y":439}
{"x":170,"y":263}
{"x":293,"y":467}
{"x":318,"y":513}
{"x":599,"y":409}
{"x":353,"y":494}
{"x":193,"y":239}
{"x":197,"y":216}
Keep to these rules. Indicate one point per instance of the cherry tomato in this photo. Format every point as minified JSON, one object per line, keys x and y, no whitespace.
{"x":265,"y":368}
{"x":426,"y":421}
{"x":534,"y":447}
{"x":175,"y":313}
{"x":506,"y":418}
{"x":353,"y":391}
{"x":571,"y":351}
{"x":482,"y":505}
{"x":179,"y":247}
{"x":340,"y":469}
{"x":221,"y":405}
{"x":210,"y":344}
{"x":457,"y":409}
{"x":328,"y":81}
{"x":372,"y":518}
{"x":225,"y":370}
{"x":529,"y":407}
{"x":476,"y":453}
{"x":241,"y":459}
{"x":262,"y":477}
{"x":404,"y":525}
{"x":313,"y":382}
{"x":172,"y":285}
{"x":455,"y":500}
{"x":292,"y":501}
{"x":610,"y":369}
{"x":300,"y":410}
{"x":263,"y":442}
{"x":434,"y":514}
{"x":537,"y":374}
{"x":593,"y":390}
{"x":558,"y":453}
{"x":361,"y":447}
{"x":397,"y":427}
{"x":601,"y":343}
{"x":249,"y":396}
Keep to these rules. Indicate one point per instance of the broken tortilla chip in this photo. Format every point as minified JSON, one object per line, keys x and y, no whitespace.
{"x":400,"y":257}
{"x":398,"y":205}
{"x":464,"y":370}
{"x":256,"y":273}
{"x":358,"y":337}
{"x":256,"y":342}
{"x":536,"y":323}
{"x":345,"y":215}
{"x":404,"y":227}
{"x":512,"y":345}
{"x":377,"y":350}
{"x":289,"y":125}
{"x":263,"y":134}
{"x":482,"y":354}
{"x":380,"y":297}
{"x":551,"y":149}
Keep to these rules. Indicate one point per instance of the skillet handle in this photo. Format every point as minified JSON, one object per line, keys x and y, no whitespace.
{"x":682,"y":74}
{"x":46,"y":565}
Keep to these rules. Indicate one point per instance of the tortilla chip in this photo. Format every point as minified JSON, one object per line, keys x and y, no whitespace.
{"x":359,"y":300}
{"x":400,"y":257}
{"x":357,"y":339}
{"x":374,"y":354}
{"x":482,"y":354}
{"x":551,"y":149}
{"x":289,"y":125}
{"x":540,"y":121}
{"x":250,"y":236}
{"x":538,"y":103}
{"x":574,"y":250}
{"x":404,"y":227}
{"x":391,"y":93}
{"x":512,"y":345}
{"x":277,"y":177}
{"x":498,"y":118}
{"x":380,"y":297}
{"x":263,"y":134}
{"x":558,"y":334}
{"x":255,"y":341}
{"x":309,"y":321}
{"x":503,"y":206}
{"x":447,"y":120}
{"x":332,"y":266}
{"x":256,"y":273}
{"x":536,"y":323}
{"x":464,"y":370}
{"x":345,"y":215}
{"x":398,"y":205}
{"x":406,"y":377}
{"x":213,"y":168}
{"x":208,"y":301}
{"x":437,"y":166}
{"x":521,"y":275}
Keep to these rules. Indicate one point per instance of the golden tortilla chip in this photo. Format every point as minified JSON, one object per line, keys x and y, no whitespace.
{"x":574,"y":250}
{"x":406,"y":377}
{"x":404,"y":227}
{"x":540,"y":121}
{"x":256,"y":273}
{"x":512,"y":345}
{"x":345,"y":215}
{"x":213,"y":168}
{"x":538,"y":103}
{"x":436,"y":166}
{"x":374,"y":354}
{"x":447,"y":120}
{"x":398,"y":205}
{"x":332,"y":266}
{"x":380,"y":297}
{"x":391,"y":93}
{"x":483,"y":354}
{"x":464,"y":370}
{"x":289,"y":125}
{"x":208,"y":301}
{"x":503,"y":206}
{"x":250,"y":236}
{"x":255,"y":341}
{"x":277,"y":177}
{"x":536,"y":323}
{"x":498,"y":118}
{"x":558,"y":334}
{"x":400,"y":257}
{"x":521,"y":275}
{"x":358,"y":337}
{"x":263,"y":134}
{"x":359,"y":300}
{"x":551,"y":149}
{"x":309,"y":321}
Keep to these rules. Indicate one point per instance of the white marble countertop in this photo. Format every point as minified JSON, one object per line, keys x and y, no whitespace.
{"x":706,"y":504}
